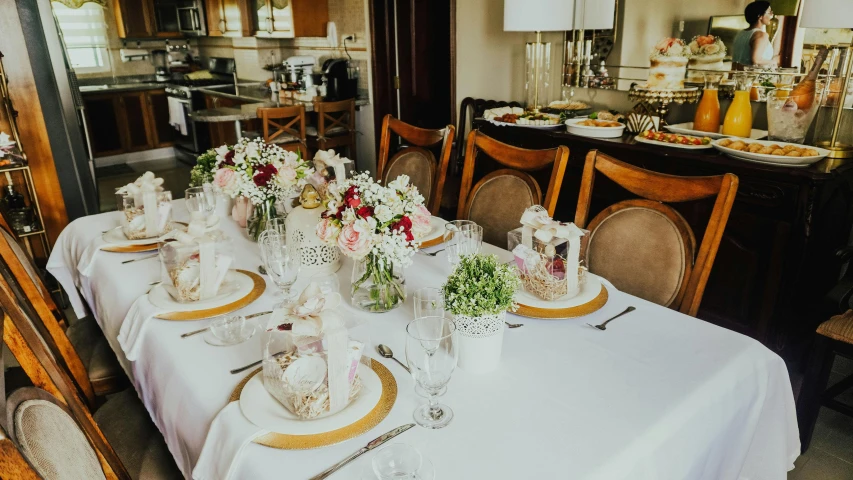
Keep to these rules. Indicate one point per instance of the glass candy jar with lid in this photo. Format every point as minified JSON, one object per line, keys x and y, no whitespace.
{"x":194,"y":265}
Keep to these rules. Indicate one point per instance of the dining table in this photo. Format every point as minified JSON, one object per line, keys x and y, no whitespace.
{"x":658,"y":395}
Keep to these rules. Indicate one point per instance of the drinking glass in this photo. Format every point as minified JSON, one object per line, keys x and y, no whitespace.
{"x":200,"y":199}
{"x":429,"y":302}
{"x":462,"y":237}
{"x":328,"y":282}
{"x":276,"y":224}
{"x":282,"y":262}
{"x":397,"y":461}
{"x":231,"y":329}
{"x":432,"y":349}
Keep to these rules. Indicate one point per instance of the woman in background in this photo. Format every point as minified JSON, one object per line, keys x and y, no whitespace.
{"x":753,"y":46}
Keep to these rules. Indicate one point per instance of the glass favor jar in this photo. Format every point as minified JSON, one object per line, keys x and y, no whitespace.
{"x":549,"y":270}
{"x":195,"y":268}
{"x":138,"y":223}
{"x":311,"y":361}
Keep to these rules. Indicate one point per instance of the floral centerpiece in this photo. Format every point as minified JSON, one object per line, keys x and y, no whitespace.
{"x":378,"y":226}
{"x":263,"y":174}
{"x":478,"y":293}
{"x":204,"y":169}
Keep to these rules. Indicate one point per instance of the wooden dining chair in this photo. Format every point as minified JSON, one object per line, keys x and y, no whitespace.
{"x":644,"y":246}
{"x":82,"y":348}
{"x":51,"y":425}
{"x":497,"y":201}
{"x":469,"y":109}
{"x":285,"y":127}
{"x":414,"y":160}
{"x":335,"y":127}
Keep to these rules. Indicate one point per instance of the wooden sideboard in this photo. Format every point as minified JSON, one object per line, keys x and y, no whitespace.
{"x":777,"y":259}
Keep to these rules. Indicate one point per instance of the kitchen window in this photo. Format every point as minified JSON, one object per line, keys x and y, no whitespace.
{"x":84,"y":31}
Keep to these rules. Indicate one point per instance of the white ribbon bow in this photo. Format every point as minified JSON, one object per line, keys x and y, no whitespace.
{"x":144,"y":192}
{"x":212,"y":269}
{"x":536,"y":223}
{"x":312,"y":318}
{"x":328,"y":158}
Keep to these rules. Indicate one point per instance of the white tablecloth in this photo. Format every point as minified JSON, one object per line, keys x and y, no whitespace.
{"x":657,"y":396}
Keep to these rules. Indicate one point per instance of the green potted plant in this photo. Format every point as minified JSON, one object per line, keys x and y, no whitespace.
{"x":478,"y":293}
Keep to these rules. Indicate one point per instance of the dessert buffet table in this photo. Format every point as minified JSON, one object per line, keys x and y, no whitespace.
{"x":656,"y":396}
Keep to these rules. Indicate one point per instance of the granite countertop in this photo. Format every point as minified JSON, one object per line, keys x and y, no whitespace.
{"x":256,"y":98}
{"x":119,"y":84}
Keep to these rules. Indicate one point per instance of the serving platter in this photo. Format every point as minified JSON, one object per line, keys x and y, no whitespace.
{"x":248,"y":287}
{"x":673,"y":145}
{"x":362,"y":425}
{"x":436,"y":233}
{"x":686,"y":128}
{"x":775,"y":160}
{"x":592,"y":296}
{"x":504,"y":124}
{"x":594,"y":132}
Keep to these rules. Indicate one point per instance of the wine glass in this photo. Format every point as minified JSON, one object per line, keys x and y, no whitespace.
{"x":282,"y":262}
{"x":429,"y":302}
{"x":432,"y":349}
{"x":462,"y":237}
{"x":200,"y":199}
{"x":277,"y":225}
{"x":328,"y":282}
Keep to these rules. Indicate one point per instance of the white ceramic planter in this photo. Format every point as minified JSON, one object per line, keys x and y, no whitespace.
{"x":480,"y":342}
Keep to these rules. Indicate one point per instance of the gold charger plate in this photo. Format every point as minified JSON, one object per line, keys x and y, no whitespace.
{"x":148,"y":247}
{"x":305,"y":442}
{"x":258,"y":287}
{"x":432,"y":243}
{"x":568,"y":312}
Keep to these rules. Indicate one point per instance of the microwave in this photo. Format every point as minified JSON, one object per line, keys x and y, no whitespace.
{"x":185,"y":17}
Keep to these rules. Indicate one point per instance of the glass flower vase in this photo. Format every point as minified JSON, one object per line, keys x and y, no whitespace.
{"x":377,"y":286}
{"x":260,"y":217}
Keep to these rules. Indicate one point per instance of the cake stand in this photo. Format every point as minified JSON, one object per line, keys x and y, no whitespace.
{"x":657,"y":101}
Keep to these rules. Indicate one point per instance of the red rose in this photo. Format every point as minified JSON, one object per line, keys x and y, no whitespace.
{"x":365,"y":212}
{"x":340,"y":212}
{"x":409,"y":236}
{"x":404,"y":225}
{"x":263,"y":174}
{"x":351,"y":197}
{"x":229,"y":159}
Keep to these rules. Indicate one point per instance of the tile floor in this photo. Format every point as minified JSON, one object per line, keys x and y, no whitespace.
{"x":830,"y":456}
{"x":176,"y":176}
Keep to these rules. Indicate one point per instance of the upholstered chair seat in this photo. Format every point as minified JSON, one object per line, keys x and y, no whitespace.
{"x":91,"y":345}
{"x":419,"y":164}
{"x":497,"y":202}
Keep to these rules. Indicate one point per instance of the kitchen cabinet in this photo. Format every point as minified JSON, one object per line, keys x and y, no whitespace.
{"x":229,"y":18}
{"x":123,"y":122}
{"x":137,"y":19}
{"x":290,"y":18}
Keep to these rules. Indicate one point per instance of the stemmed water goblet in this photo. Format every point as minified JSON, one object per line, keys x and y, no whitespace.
{"x":432,"y":350}
{"x":282,"y":261}
{"x":462,"y":237}
{"x":200,"y":199}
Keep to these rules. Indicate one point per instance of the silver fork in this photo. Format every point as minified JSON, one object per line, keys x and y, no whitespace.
{"x":430,"y":254}
{"x":513,"y":325}
{"x":603,"y":325}
{"x":141,"y":258}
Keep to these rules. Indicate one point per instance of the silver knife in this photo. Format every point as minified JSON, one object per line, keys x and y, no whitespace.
{"x":370,"y":446}
{"x":190,"y":334}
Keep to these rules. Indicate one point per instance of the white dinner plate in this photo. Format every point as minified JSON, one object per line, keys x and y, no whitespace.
{"x":436,"y":232}
{"x":775,"y":160}
{"x":235,"y":286}
{"x":115,"y":236}
{"x":265,"y":411}
{"x":589,"y":291}
{"x":673,"y":145}
{"x":594,"y":132}
{"x":687,"y":129}
{"x":504,"y":124}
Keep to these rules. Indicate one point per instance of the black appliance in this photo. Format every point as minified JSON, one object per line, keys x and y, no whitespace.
{"x":181,"y":16}
{"x":341,"y":80}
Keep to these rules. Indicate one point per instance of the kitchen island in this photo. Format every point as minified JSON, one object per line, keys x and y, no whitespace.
{"x":778,"y":257}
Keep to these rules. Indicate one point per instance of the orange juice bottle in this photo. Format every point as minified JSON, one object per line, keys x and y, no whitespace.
{"x":738,"y":121}
{"x":707,"y":118}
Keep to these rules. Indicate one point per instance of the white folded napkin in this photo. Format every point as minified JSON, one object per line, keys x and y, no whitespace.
{"x":87,"y":260}
{"x":229,"y":434}
{"x":134,"y":324}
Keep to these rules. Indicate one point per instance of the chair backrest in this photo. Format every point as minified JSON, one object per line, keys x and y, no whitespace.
{"x":335,"y":117}
{"x":645,"y":247}
{"x":497,"y":200}
{"x":284,"y":122}
{"x":27,"y":345}
{"x":415,"y":160}
{"x":25,"y":283}
{"x":477,"y":106}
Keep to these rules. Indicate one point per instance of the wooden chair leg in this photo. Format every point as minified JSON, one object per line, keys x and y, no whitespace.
{"x":815,"y":381}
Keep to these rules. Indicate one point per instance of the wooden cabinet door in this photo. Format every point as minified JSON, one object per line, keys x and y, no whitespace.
{"x":137,"y":125}
{"x":102,"y":120}
{"x":309,"y":17}
{"x":134,"y":18}
{"x":215,"y":12}
{"x":228,"y":18}
{"x":163,"y":134}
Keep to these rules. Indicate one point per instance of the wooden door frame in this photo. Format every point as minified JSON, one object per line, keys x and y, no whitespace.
{"x":382,"y":103}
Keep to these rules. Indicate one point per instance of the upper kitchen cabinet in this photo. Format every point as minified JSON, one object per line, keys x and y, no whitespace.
{"x":158,"y":18}
{"x":134,"y":18}
{"x":290,"y":18}
{"x":228,"y":18}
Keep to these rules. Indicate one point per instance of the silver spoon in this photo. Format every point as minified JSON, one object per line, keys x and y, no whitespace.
{"x":262,"y":270}
{"x":513,"y":325}
{"x":603,"y":325}
{"x":430,"y":254}
{"x":141,"y":258}
{"x":386,"y":352}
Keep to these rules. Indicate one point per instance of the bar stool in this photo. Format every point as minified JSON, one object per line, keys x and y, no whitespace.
{"x":335,"y":127}
{"x":834,"y":337}
{"x":288,"y":130}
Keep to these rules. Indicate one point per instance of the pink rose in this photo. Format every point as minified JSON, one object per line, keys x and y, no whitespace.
{"x":354,"y":242}
{"x":420,"y":221}
{"x":225,"y":178}
{"x":327,"y":231}
{"x":287,"y":175}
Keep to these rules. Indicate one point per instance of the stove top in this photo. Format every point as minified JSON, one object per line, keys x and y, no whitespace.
{"x":199,"y":83}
